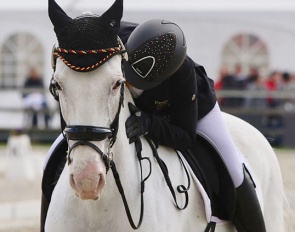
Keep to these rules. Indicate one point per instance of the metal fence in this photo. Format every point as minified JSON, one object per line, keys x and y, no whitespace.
{"x":275,"y":121}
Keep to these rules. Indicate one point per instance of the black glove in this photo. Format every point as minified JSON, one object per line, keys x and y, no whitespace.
{"x":137,"y":124}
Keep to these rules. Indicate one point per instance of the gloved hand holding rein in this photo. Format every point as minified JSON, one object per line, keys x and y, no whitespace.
{"x":138,"y":123}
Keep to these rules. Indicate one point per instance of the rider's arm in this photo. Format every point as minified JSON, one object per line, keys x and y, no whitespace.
{"x":180,"y":130}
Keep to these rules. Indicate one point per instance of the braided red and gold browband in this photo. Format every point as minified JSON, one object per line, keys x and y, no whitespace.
{"x":85,"y":52}
{"x":111,"y":51}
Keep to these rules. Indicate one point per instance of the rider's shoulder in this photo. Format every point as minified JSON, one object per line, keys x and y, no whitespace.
{"x":125,"y":30}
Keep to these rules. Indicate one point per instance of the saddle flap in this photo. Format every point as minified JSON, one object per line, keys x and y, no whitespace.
{"x":210,"y":169}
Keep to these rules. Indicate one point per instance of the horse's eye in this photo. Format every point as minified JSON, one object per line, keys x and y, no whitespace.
{"x":118,"y":84}
{"x":57,"y":85}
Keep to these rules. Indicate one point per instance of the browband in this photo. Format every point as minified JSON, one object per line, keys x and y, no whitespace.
{"x":57,"y":53}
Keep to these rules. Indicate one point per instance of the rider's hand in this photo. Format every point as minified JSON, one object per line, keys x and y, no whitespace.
{"x":137,"y":124}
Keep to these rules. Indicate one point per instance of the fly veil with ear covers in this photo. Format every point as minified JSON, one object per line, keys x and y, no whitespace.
{"x":85,"y":42}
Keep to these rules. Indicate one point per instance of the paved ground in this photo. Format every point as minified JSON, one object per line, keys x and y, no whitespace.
{"x":20,"y":194}
{"x":20,"y":190}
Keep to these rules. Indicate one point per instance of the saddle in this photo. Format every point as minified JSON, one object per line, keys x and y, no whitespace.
{"x":51,"y":174}
{"x":210,"y":169}
{"x":204,"y":160}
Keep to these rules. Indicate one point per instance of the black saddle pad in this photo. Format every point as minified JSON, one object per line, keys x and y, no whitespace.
{"x":54,"y":168}
{"x":213,"y":174}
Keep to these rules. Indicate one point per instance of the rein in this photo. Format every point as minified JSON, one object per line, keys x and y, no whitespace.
{"x":138,"y":146}
{"x":84,"y":134}
{"x":180,"y":188}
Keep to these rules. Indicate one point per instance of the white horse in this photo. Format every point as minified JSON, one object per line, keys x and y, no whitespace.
{"x":86,"y":198}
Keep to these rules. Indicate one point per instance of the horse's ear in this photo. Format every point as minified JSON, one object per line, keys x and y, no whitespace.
{"x":114,"y":14}
{"x":57,"y":16}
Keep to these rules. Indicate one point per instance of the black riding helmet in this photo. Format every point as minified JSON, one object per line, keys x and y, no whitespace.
{"x":156,"y":50}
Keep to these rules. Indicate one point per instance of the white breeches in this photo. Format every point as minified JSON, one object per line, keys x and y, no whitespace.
{"x":213,"y":127}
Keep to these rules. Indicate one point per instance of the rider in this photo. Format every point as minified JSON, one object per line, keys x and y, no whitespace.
{"x":173,"y":93}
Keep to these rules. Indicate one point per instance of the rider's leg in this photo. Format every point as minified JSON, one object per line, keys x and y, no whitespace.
{"x":248,"y":215}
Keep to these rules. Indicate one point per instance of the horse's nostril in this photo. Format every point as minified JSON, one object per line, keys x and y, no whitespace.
{"x":72,"y":182}
{"x":73,"y":185}
{"x":69,"y":159}
{"x":101,"y":183}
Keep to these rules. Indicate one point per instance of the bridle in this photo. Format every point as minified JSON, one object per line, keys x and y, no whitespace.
{"x":80,"y":133}
{"x":84,"y":134}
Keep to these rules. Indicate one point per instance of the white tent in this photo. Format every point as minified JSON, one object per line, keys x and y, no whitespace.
{"x":179,"y":5}
{"x":210,"y":27}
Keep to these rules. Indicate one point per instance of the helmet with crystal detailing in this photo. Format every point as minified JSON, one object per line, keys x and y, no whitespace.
{"x":156,"y":49}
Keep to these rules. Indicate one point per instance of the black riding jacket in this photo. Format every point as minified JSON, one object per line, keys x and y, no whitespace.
{"x":177,"y":103}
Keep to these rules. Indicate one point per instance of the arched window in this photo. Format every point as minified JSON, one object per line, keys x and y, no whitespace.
{"x":18,"y":53}
{"x":246,"y":50}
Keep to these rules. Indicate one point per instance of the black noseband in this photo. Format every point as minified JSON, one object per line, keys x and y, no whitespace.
{"x":88,"y":133}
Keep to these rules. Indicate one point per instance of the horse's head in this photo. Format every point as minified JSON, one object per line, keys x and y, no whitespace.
{"x":88,"y":86}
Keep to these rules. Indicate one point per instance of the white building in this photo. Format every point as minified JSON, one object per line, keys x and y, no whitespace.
{"x":260,"y":33}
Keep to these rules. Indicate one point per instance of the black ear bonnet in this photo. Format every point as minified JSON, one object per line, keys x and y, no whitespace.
{"x":86,"y":42}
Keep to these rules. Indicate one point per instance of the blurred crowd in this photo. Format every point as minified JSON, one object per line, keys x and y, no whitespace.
{"x":256,"y":91}
{"x":35,"y":102}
